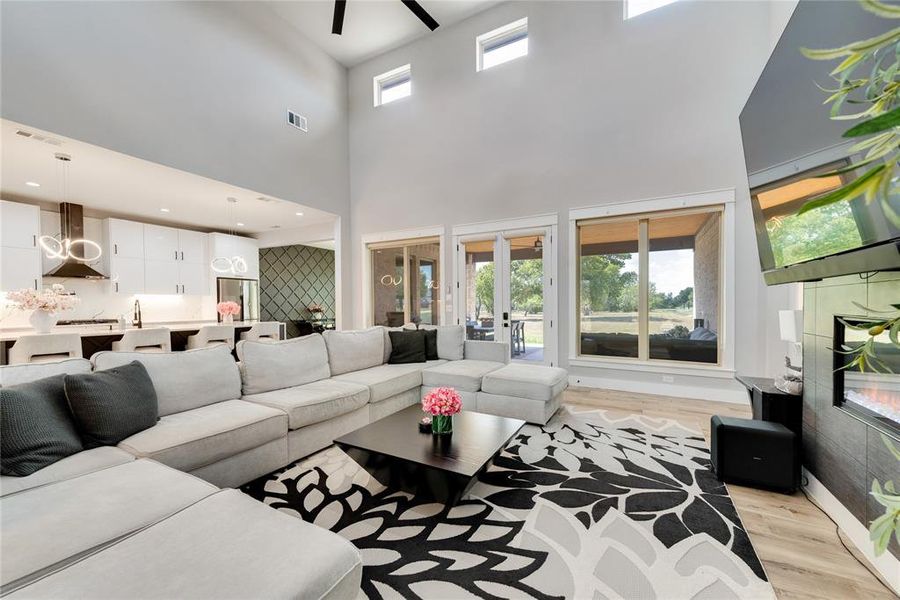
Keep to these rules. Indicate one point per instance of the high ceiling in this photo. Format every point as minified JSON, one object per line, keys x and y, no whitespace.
{"x":371,"y":27}
{"x":108,"y":183}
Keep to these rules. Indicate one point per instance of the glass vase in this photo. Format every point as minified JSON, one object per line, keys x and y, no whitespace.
{"x":227,"y":319}
{"x":441,"y":424}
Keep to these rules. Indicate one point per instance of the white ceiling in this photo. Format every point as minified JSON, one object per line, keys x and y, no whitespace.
{"x":108,"y":183}
{"x":371,"y":27}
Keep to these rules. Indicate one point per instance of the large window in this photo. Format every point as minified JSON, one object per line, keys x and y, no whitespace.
{"x":634,"y":8}
{"x":406,"y":282}
{"x":649,"y":286}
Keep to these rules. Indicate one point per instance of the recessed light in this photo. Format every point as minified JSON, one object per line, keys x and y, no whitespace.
{"x":164,"y":210}
{"x":299,"y":214}
{"x":32,"y":184}
{"x":240,"y":224}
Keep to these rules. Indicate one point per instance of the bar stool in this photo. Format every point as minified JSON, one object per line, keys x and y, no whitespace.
{"x":45,"y":347}
{"x":265,"y":331}
{"x":212,"y":335}
{"x":145,"y":340}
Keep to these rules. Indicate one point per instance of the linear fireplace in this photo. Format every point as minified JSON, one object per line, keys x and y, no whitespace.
{"x":873,"y":393}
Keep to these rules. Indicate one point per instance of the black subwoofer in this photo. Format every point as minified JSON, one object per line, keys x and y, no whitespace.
{"x":758,"y":454}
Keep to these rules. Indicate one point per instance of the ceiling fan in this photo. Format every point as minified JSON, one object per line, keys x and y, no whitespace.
{"x":337,"y":25}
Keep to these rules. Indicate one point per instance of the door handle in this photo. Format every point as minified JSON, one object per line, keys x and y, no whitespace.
{"x":176,"y":255}
{"x":182,"y":255}
{"x":117,"y":286}
{"x":34,"y":241}
{"x":115,"y":248}
{"x":35,"y":284}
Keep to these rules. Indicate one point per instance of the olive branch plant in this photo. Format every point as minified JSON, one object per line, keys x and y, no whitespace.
{"x":875,"y":99}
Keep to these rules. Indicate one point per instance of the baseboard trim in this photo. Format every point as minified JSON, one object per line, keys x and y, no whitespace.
{"x":886,"y":564}
{"x":715,"y":394}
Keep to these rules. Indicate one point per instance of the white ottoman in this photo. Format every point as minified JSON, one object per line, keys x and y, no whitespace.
{"x":530,"y":392}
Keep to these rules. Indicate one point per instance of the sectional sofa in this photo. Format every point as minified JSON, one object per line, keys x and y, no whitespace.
{"x":149,"y":518}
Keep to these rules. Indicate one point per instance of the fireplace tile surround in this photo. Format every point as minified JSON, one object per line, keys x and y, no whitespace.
{"x":840,"y":450}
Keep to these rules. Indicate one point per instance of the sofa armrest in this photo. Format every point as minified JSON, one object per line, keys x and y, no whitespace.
{"x":492,"y":351}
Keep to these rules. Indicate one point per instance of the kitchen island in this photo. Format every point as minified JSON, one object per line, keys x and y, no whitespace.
{"x":96,"y":337}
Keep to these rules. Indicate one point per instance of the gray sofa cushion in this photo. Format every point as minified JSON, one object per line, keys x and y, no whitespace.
{"x":526,"y":381}
{"x":113,"y":404}
{"x":67,"y":468}
{"x":36,"y":429}
{"x":354,"y":350}
{"x":54,"y":524}
{"x":385,"y":381}
{"x":267,"y":366}
{"x":183,"y":380}
{"x":16,"y":374}
{"x":464,"y":375}
{"x":225,"y":546}
{"x":314,"y":402}
{"x":195,"y":438}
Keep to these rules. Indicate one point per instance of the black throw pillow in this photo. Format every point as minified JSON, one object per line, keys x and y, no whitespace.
{"x":36,"y":427}
{"x":407,"y":347}
{"x":113,"y":404}
{"x":430,"y":344}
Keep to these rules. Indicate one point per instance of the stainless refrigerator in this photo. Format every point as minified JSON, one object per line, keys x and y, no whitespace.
{"x":243,"y":291}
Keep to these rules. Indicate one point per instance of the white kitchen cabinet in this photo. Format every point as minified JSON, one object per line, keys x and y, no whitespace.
{"x":20,"y":225}
{"x":192,"y":246}
{"x":194,"y":278}
{"x":161,"y":277}
{"x":124,"y":239}
{"x":20,"y":255}
{"x":19,"y":268}
{"x":160,"y":243}
{"x":126,"y":276}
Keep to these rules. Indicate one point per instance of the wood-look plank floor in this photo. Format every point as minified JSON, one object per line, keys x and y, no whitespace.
{"x":797,"y":544}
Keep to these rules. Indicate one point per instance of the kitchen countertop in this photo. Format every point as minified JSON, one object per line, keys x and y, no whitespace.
{"x":104,"y":329}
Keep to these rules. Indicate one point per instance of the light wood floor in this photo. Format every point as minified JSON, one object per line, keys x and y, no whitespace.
{"x":797,"y":544}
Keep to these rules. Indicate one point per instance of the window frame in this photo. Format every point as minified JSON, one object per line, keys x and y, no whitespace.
{"x":497,"y":38}
{"x":659,"y":207}
{"x":390,"y":79}
{"x":393,"y":239}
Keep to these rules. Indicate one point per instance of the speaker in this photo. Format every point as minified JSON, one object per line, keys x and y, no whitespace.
{"x":759,"y":454}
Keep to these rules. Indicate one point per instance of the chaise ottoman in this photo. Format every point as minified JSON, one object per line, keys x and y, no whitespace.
{"x":521,"y":391}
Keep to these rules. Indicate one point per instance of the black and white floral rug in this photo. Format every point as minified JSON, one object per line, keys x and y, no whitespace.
{"x":585,"y":507}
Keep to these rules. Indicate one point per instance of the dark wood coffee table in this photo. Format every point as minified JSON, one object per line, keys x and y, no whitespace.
{"x":441,"y":467}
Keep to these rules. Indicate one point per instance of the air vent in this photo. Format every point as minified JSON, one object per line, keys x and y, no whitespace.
{"x":298,"y":121}
{"x":266,"y":200}
{"x":24,"y":133}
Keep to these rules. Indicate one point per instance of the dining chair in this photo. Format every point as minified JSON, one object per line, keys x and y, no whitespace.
{"x":264,"y":331}
{"x":212,"y":335}
{"x":157,"y":339}
{"x":45,"y":347}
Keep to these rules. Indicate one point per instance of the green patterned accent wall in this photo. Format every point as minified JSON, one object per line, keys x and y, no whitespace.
{"x":290,"y":279}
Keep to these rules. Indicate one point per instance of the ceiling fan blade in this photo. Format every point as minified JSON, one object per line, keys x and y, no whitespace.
{"x":337,"y":25}
{"x":420,"y":12}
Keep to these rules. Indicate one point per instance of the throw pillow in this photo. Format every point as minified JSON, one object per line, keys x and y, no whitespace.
{"x":112,"y":405}
{"x":431,"y":351}
{"x":702,"y":334}
{"x":37,"y":428}
{"x":407,"y":347}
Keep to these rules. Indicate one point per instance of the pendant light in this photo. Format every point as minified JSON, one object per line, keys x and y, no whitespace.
{"x":229,"y":265}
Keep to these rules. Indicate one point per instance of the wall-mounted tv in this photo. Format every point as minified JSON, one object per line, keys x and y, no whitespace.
{"x":795,"y":152}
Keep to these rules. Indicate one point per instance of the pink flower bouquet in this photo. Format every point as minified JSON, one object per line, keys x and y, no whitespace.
{"x":228,"y":310}
{"x":442,"y":403}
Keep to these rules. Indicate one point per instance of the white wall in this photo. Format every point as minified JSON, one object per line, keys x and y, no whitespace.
{"x":602,"y":110}
{"x":199,"y":86}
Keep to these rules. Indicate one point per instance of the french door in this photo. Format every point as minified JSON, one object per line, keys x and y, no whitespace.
{"x":505,"y":290}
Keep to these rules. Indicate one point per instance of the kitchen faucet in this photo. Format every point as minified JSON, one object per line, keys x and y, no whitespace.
{"x":137,"y":314}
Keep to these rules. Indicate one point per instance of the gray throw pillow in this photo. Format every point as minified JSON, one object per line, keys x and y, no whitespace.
{"x":112,"y":405}
{"x":36,"y":428}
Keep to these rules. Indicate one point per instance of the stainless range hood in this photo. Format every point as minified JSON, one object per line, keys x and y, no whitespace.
{"x":71,"y":220}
